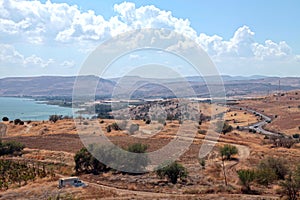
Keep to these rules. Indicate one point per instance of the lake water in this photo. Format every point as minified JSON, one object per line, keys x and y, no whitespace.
{"x":28,"y":109}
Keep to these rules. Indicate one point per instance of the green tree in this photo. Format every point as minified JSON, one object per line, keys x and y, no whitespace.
{"x":227,"y":151}
{"x":86,"y":163}
{"x":11,"y":147}
{"x":5,"y":119}
{"x":290,"y":187}
{"x":17,"y":121}
{"x":276,"y":165}
{"x":223,"y":127}
{"x":246,"y":178}
{"x":265,"y":176}
{"x":82,"y":160}
{"x":173,"y":172}
{"x":55,"y":118}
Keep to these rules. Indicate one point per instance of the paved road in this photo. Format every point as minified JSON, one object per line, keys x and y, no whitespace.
{"x":258,"y":127}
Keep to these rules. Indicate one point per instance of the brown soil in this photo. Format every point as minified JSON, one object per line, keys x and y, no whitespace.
{"x":50,"y":142}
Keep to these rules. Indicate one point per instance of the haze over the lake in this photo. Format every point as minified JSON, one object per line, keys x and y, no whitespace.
{"x":28,"y":109}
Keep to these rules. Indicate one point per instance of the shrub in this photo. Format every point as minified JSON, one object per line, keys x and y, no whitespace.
{"x":133,"y":128}
{"x":139,"y":162}
{"x":137,"y":148}
{"x":283,"y":142}
{"x":246,"y":177}
{"x":111,"y":157}
{"x":202,"y":163}
{"x":296,"y":136}
{"x":108,"y":128}
{"x":21,"y":123}
{"x":5,"y":119}
{"x":173,"y":172}
{"x":17,"y":121}
{"x":115,"y":126}
{"x":85,"y":162}
{"x":227,"y":151}
{"x":202,"y":132}
{"x":290,"y":188}
{"x":55,"y":118}
{"x":223,"y":127}
{"x":265,"y":176}
{"x":11,"y":147}
{"x":297,"y":173}
{"x":148,"y":121}
{"x":276,"y":165}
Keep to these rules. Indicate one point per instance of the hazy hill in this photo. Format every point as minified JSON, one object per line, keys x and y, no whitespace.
{"x":143,"y":87}
{"x":48,"y":85}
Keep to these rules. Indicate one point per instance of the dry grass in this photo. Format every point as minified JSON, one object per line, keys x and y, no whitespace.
{"x":284,"y":110}
{"x":57,"y":142}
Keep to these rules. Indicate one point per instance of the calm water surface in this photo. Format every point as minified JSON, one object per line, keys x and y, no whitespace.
{"x":28,"y":109}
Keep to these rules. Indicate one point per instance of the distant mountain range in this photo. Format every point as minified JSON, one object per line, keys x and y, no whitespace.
{"x":144,"y":87}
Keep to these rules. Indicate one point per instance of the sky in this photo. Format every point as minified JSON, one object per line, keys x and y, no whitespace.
{"x":241,"y":37}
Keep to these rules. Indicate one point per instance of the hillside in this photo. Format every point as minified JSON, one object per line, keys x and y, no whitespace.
{"x":145,"y":87}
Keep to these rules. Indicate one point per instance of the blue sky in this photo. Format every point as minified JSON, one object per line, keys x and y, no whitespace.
{"x":241,"y":37}
{"x":275,"y":20}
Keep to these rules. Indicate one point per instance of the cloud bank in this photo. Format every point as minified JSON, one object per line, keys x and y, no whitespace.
{"x":41,"y":24}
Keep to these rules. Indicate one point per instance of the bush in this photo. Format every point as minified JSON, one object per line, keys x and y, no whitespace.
{"x":108,"y":128}
{"x":85,"y":162}
{"x":138,"y":162}
{"x":133,"y":128}
{"x":115,"y":126}
{"x":17,"y":121}
{"x":173,"y":172}
{"x":111,"y":158}
{"x":276,"y":165}
{"x":5,"y":119}
{"x":11,"y":147}
{"x":223,"y":127}
{"x":265,"y":176}
{"x":148,"y":121}
{"x":137,"y":148}
{"x":282,"y":142}
{"x":296,"y":136}
{"x":55,"y":118}
{"x":202,"y":163}
{"x":246,"y":177}
{"x":21,"y":123}
{"x":227,"y":151}
{"x":202,"y":132}
{"x":290,"y":188}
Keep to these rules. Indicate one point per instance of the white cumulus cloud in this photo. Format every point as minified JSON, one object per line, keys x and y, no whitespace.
{"x":48,"y":23}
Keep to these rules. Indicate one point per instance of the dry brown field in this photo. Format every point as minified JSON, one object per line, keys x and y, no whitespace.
{"x":56,"y":144}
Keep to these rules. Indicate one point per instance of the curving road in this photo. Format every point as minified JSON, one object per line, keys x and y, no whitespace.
{"x":258,"y":127}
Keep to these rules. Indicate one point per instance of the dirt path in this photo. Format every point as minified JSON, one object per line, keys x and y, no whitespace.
{"x":244,"y":151}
